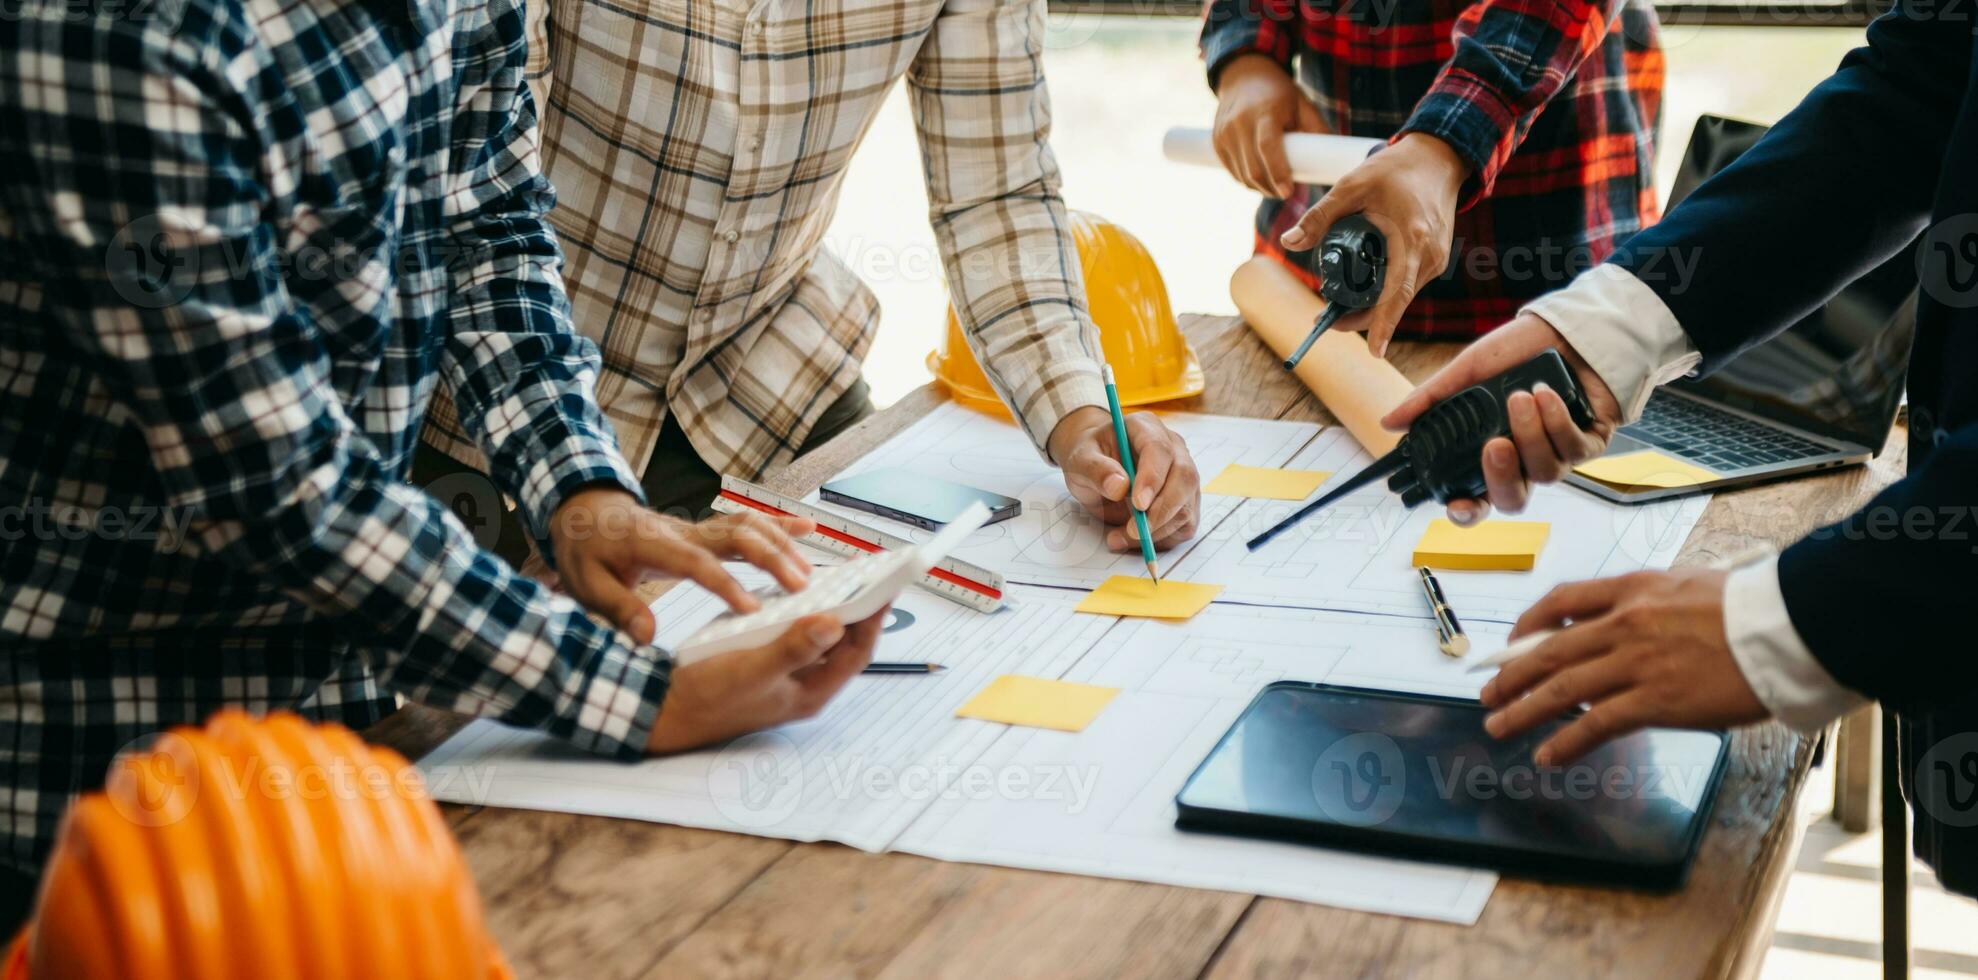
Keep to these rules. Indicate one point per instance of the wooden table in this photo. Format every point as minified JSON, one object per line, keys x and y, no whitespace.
{"x":591,"y":897}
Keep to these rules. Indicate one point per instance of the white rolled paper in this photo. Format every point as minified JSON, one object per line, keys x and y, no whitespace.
{"x":1316,"y":158}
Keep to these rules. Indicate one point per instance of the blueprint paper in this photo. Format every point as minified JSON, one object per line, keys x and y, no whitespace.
{"x":887,"y":768}
{"x":1181,"y":686}
{"x":1054,"y":541}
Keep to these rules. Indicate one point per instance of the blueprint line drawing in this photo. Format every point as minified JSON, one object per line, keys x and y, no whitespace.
{"x":1181,"y":687}
{"x":1358,"y":554}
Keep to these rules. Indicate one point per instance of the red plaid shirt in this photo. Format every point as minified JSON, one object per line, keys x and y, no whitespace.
{"x":1554,"y":103}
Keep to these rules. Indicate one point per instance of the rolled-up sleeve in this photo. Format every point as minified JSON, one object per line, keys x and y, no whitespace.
{"x":1512,"y":57}
{"x":1231,"y":28}
{"x":984,"y":118}
{"x":229,"y":389}
{"x":521,"y":377}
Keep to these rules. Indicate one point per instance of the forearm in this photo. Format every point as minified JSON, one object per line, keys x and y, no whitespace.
{"x":450,"y":625}
{"x":1832,"y":191}
{"x":522,"y":379}
{"x":1004,"y":233}
{"x":1233,"y":28}
{"x":1623,"y":330}
{"x":1880,"y":595}
{"x":1511,"y":58}
{"x":233,"y":393}
{"x":1021,"y":303}
{"x":1772,"y":655}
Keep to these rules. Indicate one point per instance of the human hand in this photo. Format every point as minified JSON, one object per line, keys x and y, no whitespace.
{"x":788,"y":679}
{"x":1257,"y":102}
{"x":1642,"y":649}
{"x":1545,"y":443}
{"x":605,"y":541}
{"x":1165,"y":485}
{"x":1409,"y":191}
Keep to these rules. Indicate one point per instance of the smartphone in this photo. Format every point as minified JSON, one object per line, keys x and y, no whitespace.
{"x":911,"y":498}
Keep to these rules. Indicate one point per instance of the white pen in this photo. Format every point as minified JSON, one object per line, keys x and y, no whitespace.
{"x":1530,"y":641}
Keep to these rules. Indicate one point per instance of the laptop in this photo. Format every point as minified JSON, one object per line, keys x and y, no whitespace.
{"x":1820,"y":395}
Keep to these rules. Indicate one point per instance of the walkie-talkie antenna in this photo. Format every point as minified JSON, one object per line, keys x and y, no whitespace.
{"x":1320,"y":325}
{"x":1381,"y":467}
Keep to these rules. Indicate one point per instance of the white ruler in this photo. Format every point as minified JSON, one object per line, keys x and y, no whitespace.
{"x":971,"y":585}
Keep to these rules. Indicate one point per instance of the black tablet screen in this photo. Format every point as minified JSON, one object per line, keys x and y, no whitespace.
{"x":1424,"y":768}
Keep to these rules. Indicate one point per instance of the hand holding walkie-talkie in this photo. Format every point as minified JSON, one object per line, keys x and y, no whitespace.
{"x":1352,"y":270}
{"x":1441,"y":457}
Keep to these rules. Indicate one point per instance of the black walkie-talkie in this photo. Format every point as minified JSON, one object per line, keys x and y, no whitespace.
{"x":1441,"y":457}
{"x":1352,"y":269}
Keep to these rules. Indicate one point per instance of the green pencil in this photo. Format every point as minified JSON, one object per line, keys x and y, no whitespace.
{"x":1126,"y":462}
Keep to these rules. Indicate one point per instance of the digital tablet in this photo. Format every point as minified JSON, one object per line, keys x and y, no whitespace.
{"x":1416,"y":776}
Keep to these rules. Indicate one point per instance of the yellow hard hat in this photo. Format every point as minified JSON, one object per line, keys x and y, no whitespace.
{"x":1129,"y":302}
{"x":257,"y":848}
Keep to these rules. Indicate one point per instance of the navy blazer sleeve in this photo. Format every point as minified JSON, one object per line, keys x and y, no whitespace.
{"x":1838,"y":186}
{"x":1883,"y":598}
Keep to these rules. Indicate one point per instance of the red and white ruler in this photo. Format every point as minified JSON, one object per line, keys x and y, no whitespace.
{"x":971,"y":585}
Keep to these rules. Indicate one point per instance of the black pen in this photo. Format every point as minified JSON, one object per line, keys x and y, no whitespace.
{"x":1448,"y":631}
{"x":894,"y":667}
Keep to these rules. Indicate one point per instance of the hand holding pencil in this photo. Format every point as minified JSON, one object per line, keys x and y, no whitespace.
{"x":1157,"y":476}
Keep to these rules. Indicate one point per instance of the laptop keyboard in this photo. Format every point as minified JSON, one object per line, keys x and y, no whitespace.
{"x":1717,"y":439}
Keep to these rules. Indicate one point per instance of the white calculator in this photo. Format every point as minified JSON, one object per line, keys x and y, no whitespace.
{"x":849,"y":593}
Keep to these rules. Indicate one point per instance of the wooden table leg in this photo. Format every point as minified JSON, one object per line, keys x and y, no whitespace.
{"x":1858,"y":771}
{"x":1895,"y":858}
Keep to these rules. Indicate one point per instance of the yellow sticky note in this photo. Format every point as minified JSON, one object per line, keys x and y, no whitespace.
{"x":1646,"y":468}
{"x":1493,"y":546}
{"x":1237,"y":480}
{"x":1132,"y":595}
{"x":1038,"y":703}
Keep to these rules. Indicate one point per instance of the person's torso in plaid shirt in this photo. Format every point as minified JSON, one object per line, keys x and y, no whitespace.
{"x":1555,"y":105}
{"x":698,"y":147}
{"x":241,"y":243}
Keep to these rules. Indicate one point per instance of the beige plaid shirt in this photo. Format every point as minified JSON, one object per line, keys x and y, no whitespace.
{"x":697,"y":148}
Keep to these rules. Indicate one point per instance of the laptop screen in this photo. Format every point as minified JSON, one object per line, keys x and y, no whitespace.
{"x":1839,"y":372}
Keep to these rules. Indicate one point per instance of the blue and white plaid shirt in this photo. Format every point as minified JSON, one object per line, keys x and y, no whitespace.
{"x":241,"y":242}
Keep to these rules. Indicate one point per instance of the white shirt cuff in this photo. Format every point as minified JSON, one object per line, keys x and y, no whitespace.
{"x":1623,"y":330}
{"x":1776,"y":663}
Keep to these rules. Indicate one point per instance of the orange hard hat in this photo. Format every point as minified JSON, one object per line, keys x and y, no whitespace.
{"x":1129,"y":303}
{"x":263,"y":848}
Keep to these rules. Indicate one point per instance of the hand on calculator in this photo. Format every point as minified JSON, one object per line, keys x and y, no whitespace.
{"x":605,"y":541}
{"x":786,"y":679}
